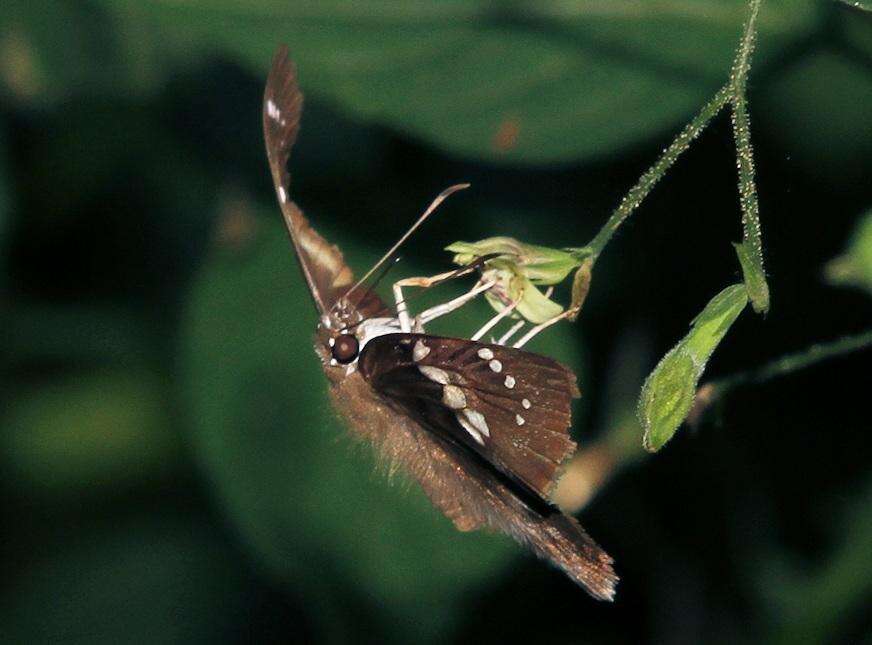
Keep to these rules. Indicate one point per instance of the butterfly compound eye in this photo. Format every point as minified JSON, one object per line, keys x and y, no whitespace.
{"x":345,"y":348}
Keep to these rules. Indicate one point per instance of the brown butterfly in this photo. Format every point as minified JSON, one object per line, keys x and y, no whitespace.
{"x":483,"y":427}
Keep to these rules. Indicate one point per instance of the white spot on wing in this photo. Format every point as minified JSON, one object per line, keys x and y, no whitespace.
{"x":434,"y":374}
{"x":526,"y":403}
{"x":519,"y":419}
{"x":283,"y":196}
{"x":477,"y":420}
{"x":496,"y":366}
{"x":419,"y":351}
{"x":273,"y":111}
{"x":485,"y":354}
{"x":510,"y":381}
{"x":453,"y":397}
{"x":469,"y":427}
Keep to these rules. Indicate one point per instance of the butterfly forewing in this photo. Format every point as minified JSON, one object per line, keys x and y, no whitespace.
{"x":324,"y":268}
{"x":509,"y":406}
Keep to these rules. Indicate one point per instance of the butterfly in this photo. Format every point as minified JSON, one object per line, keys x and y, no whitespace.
{"x":482,"y":427}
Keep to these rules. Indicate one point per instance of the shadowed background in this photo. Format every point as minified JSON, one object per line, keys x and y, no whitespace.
{"x":171,"y":472}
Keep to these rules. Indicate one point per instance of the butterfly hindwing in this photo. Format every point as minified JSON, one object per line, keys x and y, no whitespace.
{"x":468,"y":489}
{"x":509,"y":406}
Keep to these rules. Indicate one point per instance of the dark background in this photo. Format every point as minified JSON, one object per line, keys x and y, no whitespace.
{"x":170,"y":469}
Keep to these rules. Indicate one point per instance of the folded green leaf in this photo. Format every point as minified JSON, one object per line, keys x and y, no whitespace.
{"x":668,"y":393}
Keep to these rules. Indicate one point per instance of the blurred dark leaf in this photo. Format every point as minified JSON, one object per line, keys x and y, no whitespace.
{"x":809,"y":606}
{"x":595,"y":78}
{"x":50,"y":49}
{"x":75,"y":334}
{"x":145,"y":581}
{"x":819,"y":111}
{"x":5,"y":206}
{"x":88,"y":435}
{"x":302,"y":495}
{"x":854,"y":266}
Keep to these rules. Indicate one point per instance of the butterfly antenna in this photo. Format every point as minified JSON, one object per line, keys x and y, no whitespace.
{"x":441,"y":197}
{"x":472,"y":266}
{"x":385,"y":270}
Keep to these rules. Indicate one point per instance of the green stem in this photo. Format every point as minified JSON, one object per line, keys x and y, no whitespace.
{"x":742,"y":62}
{"x":795,"y":362}
{"x":751,"y":256}
{"x":649,"y":179}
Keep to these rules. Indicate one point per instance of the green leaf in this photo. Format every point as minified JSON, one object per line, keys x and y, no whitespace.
{"x":854,"y":266}
{"x":303,"y":497}
{"x":669,"y":390}
{"x":532,"y":82}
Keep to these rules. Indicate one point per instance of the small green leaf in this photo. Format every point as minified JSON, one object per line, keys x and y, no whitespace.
{"x":854,"y":266}
{"x":668,"y":393}
{"x":754,"y":276}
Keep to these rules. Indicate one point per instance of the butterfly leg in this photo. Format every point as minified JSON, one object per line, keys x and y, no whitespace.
{"x":440,"y":310}
{"x":580,"y":286}
{"x":514,"y":328}
{"x":502,"y":340}
{"x":490,"y":324}
{"x":569,"y":313}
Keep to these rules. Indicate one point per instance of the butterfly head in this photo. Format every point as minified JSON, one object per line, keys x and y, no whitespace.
{"x":342,"y":335}
{"x":344,"y":348}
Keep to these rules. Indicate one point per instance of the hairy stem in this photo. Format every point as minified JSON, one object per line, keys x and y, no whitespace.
{"x":788,"y":364}
{"x":752,"y":255}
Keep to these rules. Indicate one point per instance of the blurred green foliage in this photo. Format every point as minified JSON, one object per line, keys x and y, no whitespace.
{"x":171,"y":469}
{"x":854,"y":266}
{"x":623,"y":69}
{"x":89,"y":434}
